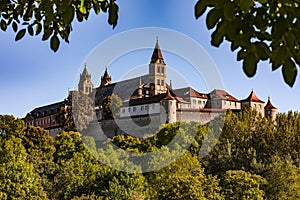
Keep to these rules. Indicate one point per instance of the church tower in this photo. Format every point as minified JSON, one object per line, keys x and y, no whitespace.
{"x":105,"y":79}
{"x":157,"y":71}
{"x":85,"y":84}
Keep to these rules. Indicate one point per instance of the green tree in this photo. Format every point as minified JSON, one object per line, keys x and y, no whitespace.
{"x":76,"y":113}
{"x":17,"y":177}
{"x":283,"y":179}
{"x":259,"y":30}
{"x":242,"y":185}
{"x":53,"y":18}
{"x":183,"y":179}
{"x":111,"y":106}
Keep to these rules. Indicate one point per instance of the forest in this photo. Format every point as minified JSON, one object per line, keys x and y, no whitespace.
{"x":253,"y":158}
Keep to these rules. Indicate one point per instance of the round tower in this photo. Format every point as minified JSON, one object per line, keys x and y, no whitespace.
{"x":169,"y":104}
{"x":270,"y":110}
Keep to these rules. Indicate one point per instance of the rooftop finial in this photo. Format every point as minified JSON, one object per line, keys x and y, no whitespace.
{"x":156,"y":39}
{"x":85,"y":65}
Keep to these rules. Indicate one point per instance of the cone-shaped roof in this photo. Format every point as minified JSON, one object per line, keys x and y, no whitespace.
{"x":252,"y":97}
{"x":270,"y":105}
{"x":157,"y":56}
{"x":169,"y":96}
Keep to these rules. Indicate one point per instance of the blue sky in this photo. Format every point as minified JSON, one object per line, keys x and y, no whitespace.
{"x":32,"y":75}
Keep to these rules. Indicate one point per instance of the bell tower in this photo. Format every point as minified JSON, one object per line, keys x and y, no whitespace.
{"x":85,"y":84}
{"x":157,"y":71}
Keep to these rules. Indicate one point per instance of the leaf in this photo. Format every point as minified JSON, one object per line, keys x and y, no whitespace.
{"x":216,"y":39}
{"x":30,"y":30}
{"x":113,"y":14}
{"x":20,"y":34}
{"x":289,"y":71}
{"x":200,"y":8}
{"x":38,"y":29}
{"x":69,"y":15}
{"x":54,"y":43}
{"x":15,"y":26}
{"x":242,"y":54}
{"x":263,"y":1}
{"x":212,"y":18}
{"x":250,"y":64}
{"x":229,"y":11}
{"x":3,"y":25}
{"x":262,"y":50}
{"x":246,"y":4}
{"x":47,"y":33}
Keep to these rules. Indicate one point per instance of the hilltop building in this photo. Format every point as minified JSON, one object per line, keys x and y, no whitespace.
{"x":150,"y":95}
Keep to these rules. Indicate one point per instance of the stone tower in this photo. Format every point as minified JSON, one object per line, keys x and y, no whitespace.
{"x":270,"y":110}
{"x":85,"y":84}
{"x":254,"y":102}
{"x":105,"y":79}
{"x":169,"y":104}
{"x":157,"y":71}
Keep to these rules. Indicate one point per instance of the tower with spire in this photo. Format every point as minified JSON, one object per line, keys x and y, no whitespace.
{"x":157,"y":71}
{"x":254,"y":102}
{"x":85,"y":84}
{"x":105,"y":79}
{"x":270,"y":110}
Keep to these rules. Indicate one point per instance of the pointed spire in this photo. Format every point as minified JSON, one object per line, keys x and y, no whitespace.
{"x":269,"y":104}
{"x":253,"y":98}
{"x":157,"y":56}
{"x":85,"y":71}
{"x":105,"y":79}
{"x":171,"y":86}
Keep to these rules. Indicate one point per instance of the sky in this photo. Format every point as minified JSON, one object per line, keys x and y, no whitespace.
{"x":32,"y":75}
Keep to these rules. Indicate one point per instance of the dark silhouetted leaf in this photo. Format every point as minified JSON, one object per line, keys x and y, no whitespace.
{"x":289,"y":71}
{"x":113,"y":14}
{"x":3,"y":25}
{"x":38,"y":29}
{"x":47,"y":34}
{"x":200,"y":8}
{"x":250,"y":64}
{"x":20,"y":34}
{"x":212,"y":18}
{"x":30,"y":30}
{"x":246,"y":4}
{"x":54,"y":43}
{"x":229,"y":11}
{"x":15,"y":26}
{"x":69,"y":15}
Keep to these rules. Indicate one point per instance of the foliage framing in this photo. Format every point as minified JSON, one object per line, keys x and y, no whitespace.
{"x":259,"y":30}
{"x":53,"y":18}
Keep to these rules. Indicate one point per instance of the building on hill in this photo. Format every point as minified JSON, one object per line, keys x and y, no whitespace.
{"x":150,"y":95}
{"x":254,"y":102}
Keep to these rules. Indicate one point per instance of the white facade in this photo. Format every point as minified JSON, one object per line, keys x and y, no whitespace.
{"x":139,"y":110}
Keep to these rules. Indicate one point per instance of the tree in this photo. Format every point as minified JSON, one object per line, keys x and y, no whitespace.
{"x":53,"y":18}
{"x":17,"y":177}
{"x":242,"y":185}
{"x":259,"y":30}
{"x":76,"y":113}
{"x":111,"y":106}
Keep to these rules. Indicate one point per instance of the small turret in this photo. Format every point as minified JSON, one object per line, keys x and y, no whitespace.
{"x":270,"y":110}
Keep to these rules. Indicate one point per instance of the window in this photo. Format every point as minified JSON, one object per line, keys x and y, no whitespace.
{"x":134,"y":109}
{"x":49,"y":120}
{"x":142,"y":108}
{"x":203,"y":102}
{"x":158,"y":69}
{"x":158,"y":82}
{"x":129,"y":110}
{"x":147,"y":107}
{"x":162,"y":82}
{"x":194,"y":101}
{"x":153,"y":106}
{"x":199,"y":102}
{"x":162,"y":70}
{"x":123,"y":110}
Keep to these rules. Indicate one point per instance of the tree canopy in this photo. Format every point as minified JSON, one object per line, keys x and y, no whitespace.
{"x":258,"y":30}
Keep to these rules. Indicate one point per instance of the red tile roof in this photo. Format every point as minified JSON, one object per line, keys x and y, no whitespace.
{"x":188,"y":92}
{"x":270,"y":105}
{"x":252,"y":97}
{"x":224,"y":95}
